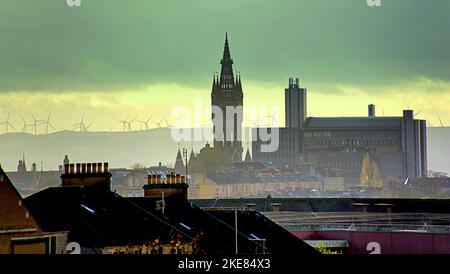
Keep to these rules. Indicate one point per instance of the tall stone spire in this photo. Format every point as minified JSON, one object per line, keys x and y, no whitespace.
{"x":226,"y":52}
{"x":228,"y":93}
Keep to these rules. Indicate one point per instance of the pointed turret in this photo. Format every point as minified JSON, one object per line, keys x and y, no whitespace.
{"x":248,"y":158}
{"x":192,"y":155}
{"x":23,"y":160}
{"x":179,"y":164}
{"x":226,"y":52}
{"x":214,"y":81}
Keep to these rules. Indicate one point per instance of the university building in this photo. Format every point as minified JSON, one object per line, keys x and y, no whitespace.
{"x":396,"y":144}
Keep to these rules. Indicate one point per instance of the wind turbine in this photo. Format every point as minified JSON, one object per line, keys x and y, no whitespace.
{"x":145,"y":123}
{"x":7,"y":123}
{"x":25,"y":125}
{"x":124,"y":124}
{"x":159,"y":123}
{"x":254,"y":123}
{"x":47,"y":124}
{"x":440,"y":121}
{"x":85,"y":128}
{"x":168,"y":125}
{"x":35,"y":124}
{"x":130,"y":122}
{"x":273,"y":118}
{"x":80,"y":125}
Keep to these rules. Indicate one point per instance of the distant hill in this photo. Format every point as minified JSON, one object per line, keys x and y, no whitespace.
{"x":122,"y":149}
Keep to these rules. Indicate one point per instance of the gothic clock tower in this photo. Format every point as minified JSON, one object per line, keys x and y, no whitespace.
{"x":228,"y":96}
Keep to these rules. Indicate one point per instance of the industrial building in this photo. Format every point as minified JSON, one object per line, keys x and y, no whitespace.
{"x":396,"y":144}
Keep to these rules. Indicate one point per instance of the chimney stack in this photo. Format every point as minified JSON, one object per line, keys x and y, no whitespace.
{"x":151,"y":179}
{"x":276,"y":206}
{"x":174,"y":186}
{"x":372,"y":110}
{"x":86,"y":174}
{"x":408,"y":114}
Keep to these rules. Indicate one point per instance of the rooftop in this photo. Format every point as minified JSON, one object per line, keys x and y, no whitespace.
{"x":346,"y":122}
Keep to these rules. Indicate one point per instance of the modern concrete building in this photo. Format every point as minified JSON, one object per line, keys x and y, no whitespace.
{"x":290,"y":149}
{"x":396,"y":144}
{"x":295,"y":104}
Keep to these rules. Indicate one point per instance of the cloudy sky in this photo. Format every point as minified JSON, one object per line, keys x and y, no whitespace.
{"x":113,"y":59}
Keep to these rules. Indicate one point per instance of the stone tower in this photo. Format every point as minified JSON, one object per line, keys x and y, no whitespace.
{"x":227,"y":96}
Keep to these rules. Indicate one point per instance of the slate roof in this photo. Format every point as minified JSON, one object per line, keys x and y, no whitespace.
{"x":333,"y":204}
{"x":219,"y":233}
{"x":231,"y":177}
{"x":348,"y":122}
{"x":96,"y":218}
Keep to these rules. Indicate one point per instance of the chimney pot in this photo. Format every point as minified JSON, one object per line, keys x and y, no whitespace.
{"x":78,"y":168}
{"x":88,"y":168}
{"x":66,"y":168}
{"x":250,"y":206}
{"x":105,"y":167}
{"x":99,"y":167}
{"x":83,"y":167}
{"x":151,"y":179}
{"x":94,"y":167}
{"x":371,"y":110}
{"x":276,"y":206}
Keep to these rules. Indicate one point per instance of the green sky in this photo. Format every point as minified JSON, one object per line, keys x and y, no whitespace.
{"x":109,"y":55}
